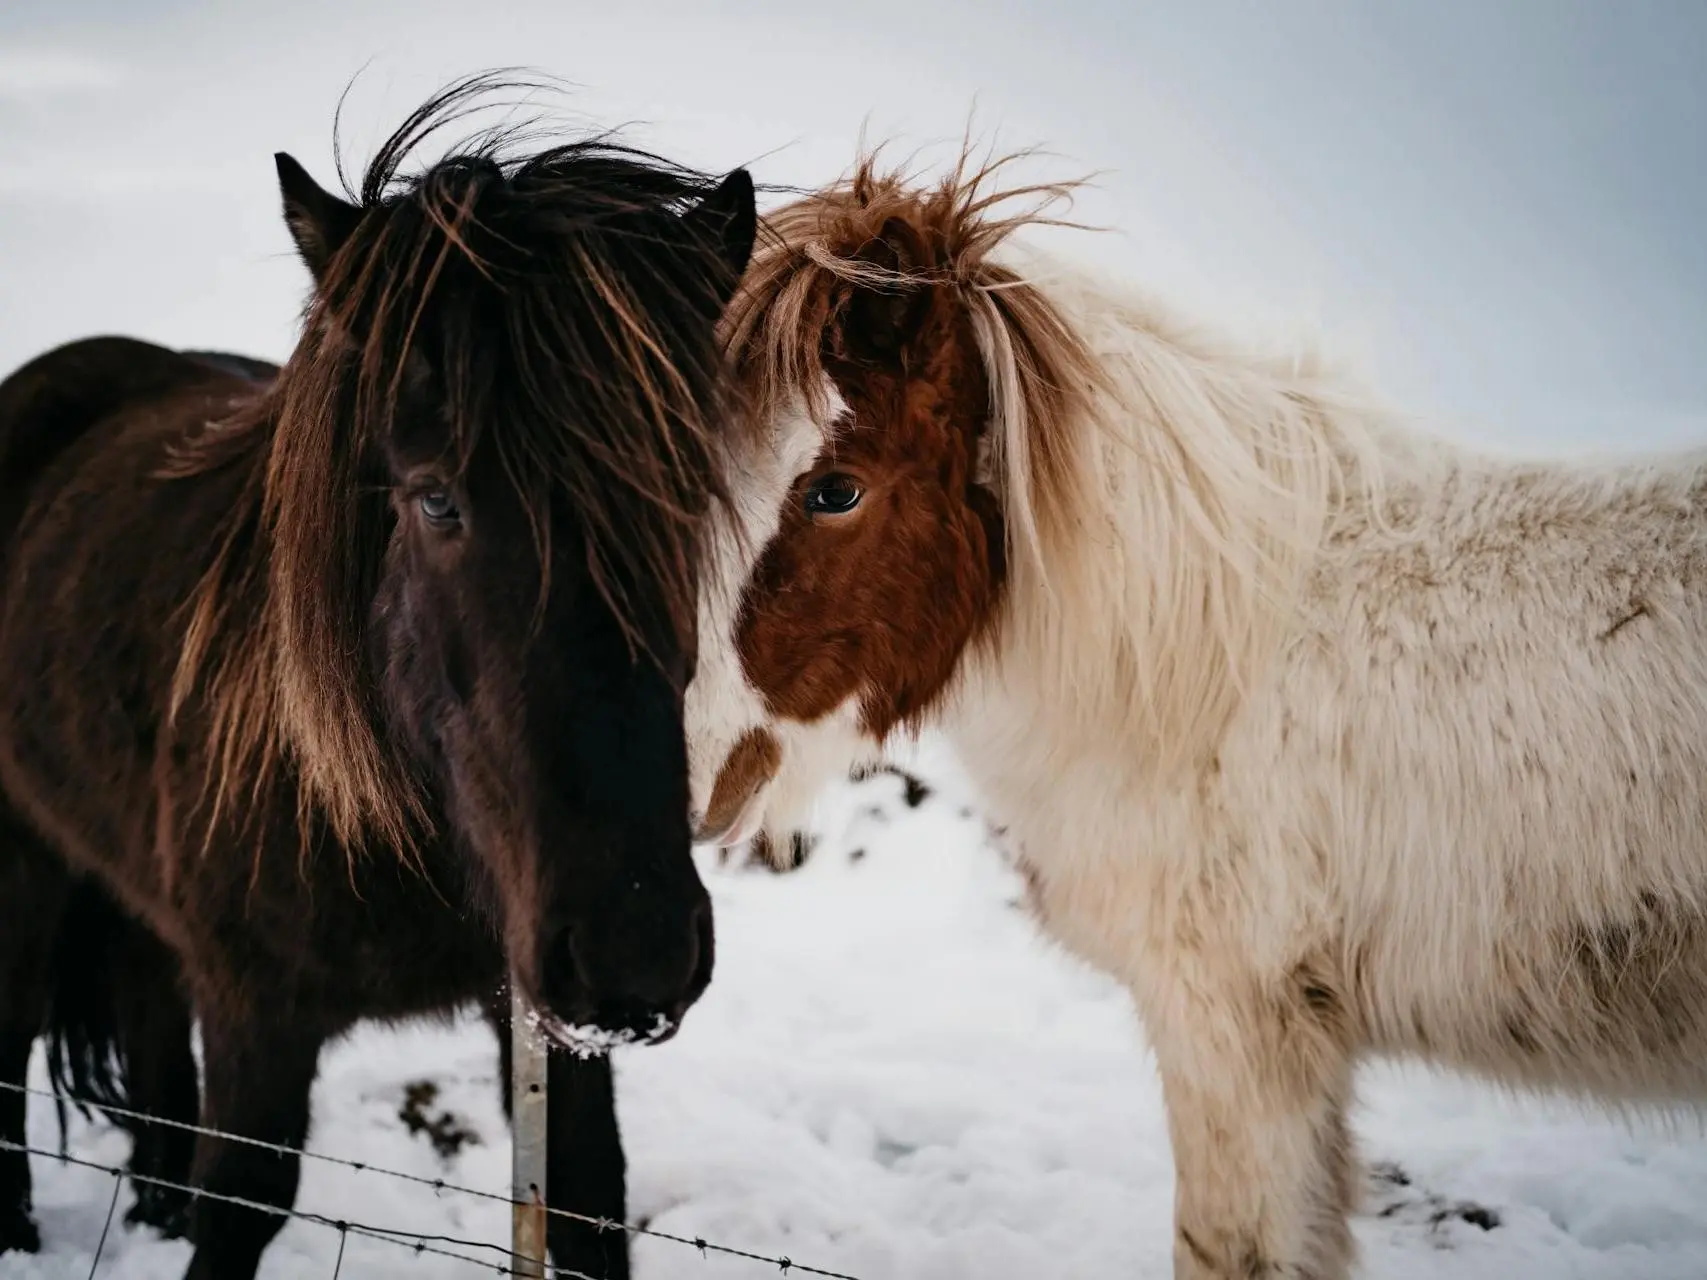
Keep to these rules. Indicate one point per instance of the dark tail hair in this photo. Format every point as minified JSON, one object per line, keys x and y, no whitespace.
{"x":86,"y":1058}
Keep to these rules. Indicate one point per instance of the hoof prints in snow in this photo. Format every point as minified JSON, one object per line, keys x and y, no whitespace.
{"x":447,"y":1131}
{"x":1396,"y":1199}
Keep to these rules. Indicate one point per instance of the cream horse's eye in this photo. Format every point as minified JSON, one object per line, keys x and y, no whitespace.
{"x":832,"y":495}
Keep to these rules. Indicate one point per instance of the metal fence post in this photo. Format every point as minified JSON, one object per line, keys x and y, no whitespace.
{"x":528,"y":1138}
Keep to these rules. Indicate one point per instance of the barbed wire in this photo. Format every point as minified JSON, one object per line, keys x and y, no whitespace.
{"x":783,"y":1263}
{"x":415,"y":1241}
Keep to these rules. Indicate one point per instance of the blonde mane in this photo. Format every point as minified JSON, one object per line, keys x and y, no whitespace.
{"x":1164,"y":494}
{"x":1041,"y":374}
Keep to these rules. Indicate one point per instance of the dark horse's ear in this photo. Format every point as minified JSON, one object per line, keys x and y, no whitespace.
{"x":729,"y":219}
{"x":879,"y":320}
{"x":319,"y":221}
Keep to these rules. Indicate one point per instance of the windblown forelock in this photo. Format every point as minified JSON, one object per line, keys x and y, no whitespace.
{"x":610,"y":392}
{"x":808,"y":256}
{"x":535,"y":289}
{"x":594,"y":407}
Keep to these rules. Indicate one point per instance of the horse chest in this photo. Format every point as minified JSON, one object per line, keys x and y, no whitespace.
{"x":1085,"y":848}
{"x":1125,"y":873}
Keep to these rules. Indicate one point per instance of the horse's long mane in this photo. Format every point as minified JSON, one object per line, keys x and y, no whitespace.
{"x":1041,"y":372}
{"x":1165,"y":494}
{"x":535,"y":286}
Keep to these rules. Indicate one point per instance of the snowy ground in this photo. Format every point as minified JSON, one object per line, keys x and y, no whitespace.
{"x":894,"y":1077}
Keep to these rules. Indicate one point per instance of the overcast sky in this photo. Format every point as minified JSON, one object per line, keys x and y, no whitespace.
{"x":1498,"y":207}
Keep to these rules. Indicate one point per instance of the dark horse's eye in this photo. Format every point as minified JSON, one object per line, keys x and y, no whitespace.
{"x":438,"y":508}
{"x":832,"y":495}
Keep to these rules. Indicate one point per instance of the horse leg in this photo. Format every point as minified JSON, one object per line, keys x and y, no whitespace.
{"x":1257,"y":1080}
{"x":33,"y":892}
{"x":154,"y":1024}
{"x":259,"y":1073}
{"x":118,"y":1031}
{"x":585,"y":1171}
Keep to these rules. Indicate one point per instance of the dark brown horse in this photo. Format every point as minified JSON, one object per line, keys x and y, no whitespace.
{"x":361,"y":689}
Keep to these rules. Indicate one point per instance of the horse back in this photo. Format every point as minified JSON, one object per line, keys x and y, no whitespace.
{"x":99,"y":553}
{"x":47,"y":404}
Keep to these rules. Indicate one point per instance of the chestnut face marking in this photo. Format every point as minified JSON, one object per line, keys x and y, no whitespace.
{"x":735,"y":809}
{"x":887,"y":559}
{"x":886,"y":350}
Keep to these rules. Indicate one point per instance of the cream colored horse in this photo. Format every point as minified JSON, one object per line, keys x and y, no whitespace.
{"x":1328,"y":739}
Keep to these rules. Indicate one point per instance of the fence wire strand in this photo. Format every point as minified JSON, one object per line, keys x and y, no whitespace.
{"x":784,"y":1264}
{"x":415,"y":1242}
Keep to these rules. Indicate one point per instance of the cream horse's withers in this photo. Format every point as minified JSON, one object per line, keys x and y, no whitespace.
{"x":1328,"y":739}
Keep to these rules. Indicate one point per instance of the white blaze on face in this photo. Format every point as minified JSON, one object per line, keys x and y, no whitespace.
{"x":722,"y":706}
